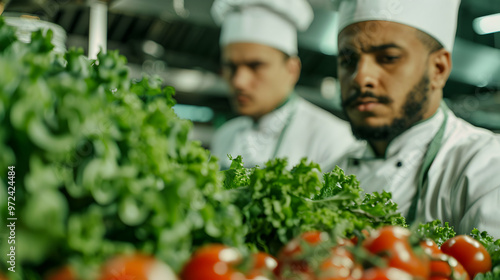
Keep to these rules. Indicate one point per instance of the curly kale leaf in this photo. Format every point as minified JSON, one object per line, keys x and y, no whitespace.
{"x":436,"y":231}
{"x":278,"y":204}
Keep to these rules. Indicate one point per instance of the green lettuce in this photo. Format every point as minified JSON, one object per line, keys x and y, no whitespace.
{"x":103,"y":164}
{"x":278,"y":204}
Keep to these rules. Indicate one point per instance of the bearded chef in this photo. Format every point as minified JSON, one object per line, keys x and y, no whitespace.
{"x":394,"y":60}
{"x":260,"y":64}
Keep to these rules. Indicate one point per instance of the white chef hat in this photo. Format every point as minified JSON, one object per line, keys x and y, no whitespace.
{"x":269,"y":22}
{"x":437,"y":18}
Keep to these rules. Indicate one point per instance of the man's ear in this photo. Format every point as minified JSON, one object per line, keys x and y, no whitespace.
{"x":294,"y":66}
{"x":440,"y":68}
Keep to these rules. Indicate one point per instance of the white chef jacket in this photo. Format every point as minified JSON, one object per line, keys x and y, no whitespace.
{"x":306,"y":131}
{"x":463,"y":182}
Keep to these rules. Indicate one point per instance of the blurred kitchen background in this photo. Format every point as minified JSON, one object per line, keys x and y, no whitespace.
{"x":178,"y":41}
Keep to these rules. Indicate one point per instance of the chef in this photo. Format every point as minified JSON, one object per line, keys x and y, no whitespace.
{"x":260,"y":64}
{"x":394,"y":60}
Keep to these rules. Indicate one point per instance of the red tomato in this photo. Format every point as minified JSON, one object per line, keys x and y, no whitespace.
{"x":311,"y":237}
{"x":263,"y":266}
{"x":391,"y":243}
{"x":444,"y":267}
{"x":468,"y":252}
{"x":213,"y":262}
{"x":388,"y":273}
{"x":137,"y":267}
{"x":63,"y":273}
{"x":292,"y":262}
{"x":340,"y":266}
{"x":430,"y":247}
{"x":295,"y":261}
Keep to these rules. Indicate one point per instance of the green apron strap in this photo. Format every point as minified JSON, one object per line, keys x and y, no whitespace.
{"x":429,"y":157}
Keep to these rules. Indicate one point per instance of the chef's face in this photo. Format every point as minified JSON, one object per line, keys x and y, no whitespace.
{"x":260,"y":77}
{"x":386,"y":78}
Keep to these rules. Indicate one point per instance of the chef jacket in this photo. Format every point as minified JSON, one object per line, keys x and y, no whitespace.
{"x":295,"y":130}
{"x":462,"y":185}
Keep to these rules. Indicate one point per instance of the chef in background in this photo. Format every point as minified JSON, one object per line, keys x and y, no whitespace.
{"x":394,"y":60}
{"x":259,"y":59}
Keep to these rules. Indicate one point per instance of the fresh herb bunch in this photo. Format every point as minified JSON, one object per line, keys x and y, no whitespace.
{"x":103,"y":164}
{"x":279,"y":204}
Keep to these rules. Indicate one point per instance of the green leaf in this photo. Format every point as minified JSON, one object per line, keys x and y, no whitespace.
{"x":132,"y":212}
{"x":436,"y":231}
{"x":40,"y":42}
{"x":7,"y":35}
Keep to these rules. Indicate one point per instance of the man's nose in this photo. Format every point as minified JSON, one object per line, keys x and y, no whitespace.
{"x":367,"y":73}
{"x":241,"y":77}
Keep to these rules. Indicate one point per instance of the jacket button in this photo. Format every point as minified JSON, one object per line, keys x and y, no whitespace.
{"x":355,"y":162}
{"x":399,"y":164}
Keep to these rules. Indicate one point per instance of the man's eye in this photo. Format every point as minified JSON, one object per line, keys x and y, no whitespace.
{"x":388,"y":59}
{"x":254,"y":65}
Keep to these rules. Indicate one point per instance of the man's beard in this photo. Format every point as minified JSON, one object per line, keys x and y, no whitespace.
{"x":412,"y":112}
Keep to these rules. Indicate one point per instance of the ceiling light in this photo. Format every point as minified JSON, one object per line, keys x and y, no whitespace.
{"x":487,"y":24}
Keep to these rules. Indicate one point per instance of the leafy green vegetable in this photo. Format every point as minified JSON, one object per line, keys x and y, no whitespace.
{"x":236,"y":176}
{"x":279,"y":204}
{"x":103,"y":164}
{"x":436,"y":231}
